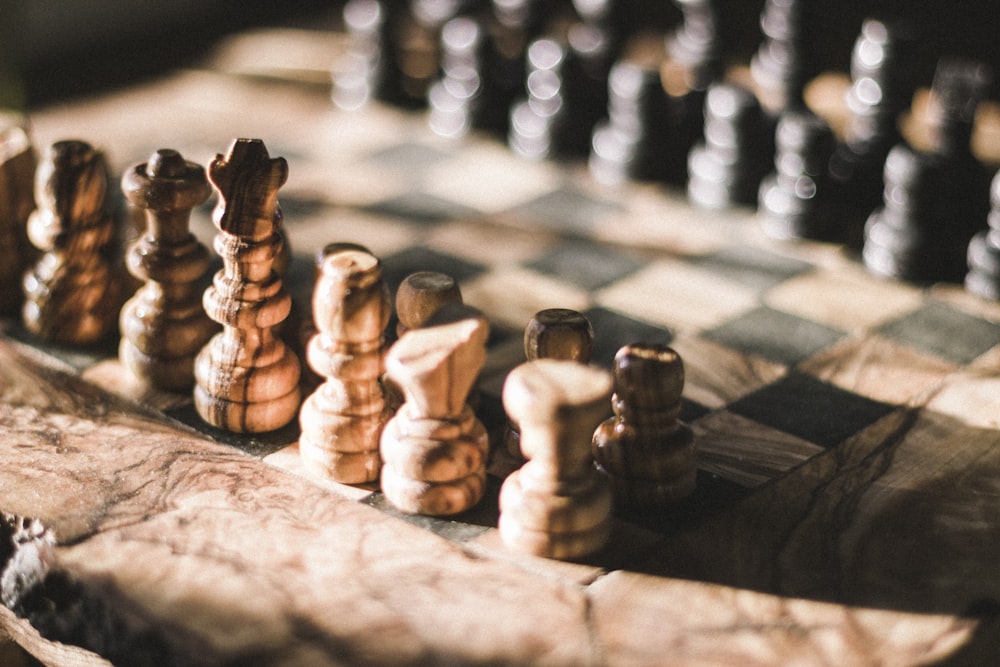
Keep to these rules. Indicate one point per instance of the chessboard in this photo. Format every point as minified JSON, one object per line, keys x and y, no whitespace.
{"x":847,"y":425}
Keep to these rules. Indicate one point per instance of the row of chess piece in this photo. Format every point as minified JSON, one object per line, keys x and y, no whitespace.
{"x":398,"y":415}
{"x":590,"y":82}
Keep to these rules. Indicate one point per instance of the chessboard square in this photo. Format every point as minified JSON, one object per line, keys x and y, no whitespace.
{"x":490,"y":178}
{"x":940,"y":329}
{"x":751,"y":266}
{"x":774,"y":335}
{"x":972,"y":395}
{"x":613,"y":330}
{"x":585,"y":264}
{"x":409,"y":158}
{"x":420,"y":207}
{"x":847,"y":298}
{"x":416,"y":258}
{"x":808,"y":408}
{"x":486,"y":243}
{"x":381,"y":235}
{"x":677,"y":295}
{"x":512,"y":295}
{"x":567,"y":209}
{"x":879,"y":368}
{"x":716,"y":375}
{"x":748,"y":452}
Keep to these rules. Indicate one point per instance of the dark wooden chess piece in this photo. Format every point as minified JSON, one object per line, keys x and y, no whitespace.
{"x":644,"y":449}
{"x":17,"y":200}
{"x":794,"y":201}
{"x":557,"y":504}
{"x":342,"y":420}
{"x":421,"y":295}
{"x":553,"y":333}
{"x":434,"y":449}
{"x":247,"y":378}
{"x":785,"y":62}
{"x":983,"y":277}
{"x":163,"y":325}
{"x":74,"y":291}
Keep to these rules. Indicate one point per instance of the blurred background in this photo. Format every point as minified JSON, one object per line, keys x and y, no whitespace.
{"x":54,"y":49}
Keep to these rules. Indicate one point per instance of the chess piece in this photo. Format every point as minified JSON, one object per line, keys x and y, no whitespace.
{"x":557,"y":504}
{"x":983,"y":277}
{"x":372,"y":64}
{"x":73,"y":292}
{"x":163,"y":325}
{"x":421,"y":295}
{"x":644,"y":449}
{"x":784,"y":63}
{"x":553,"y":333}
{"x":793,"y":201}
{"x":17,"y":174}
{"x":434,"y":449}
{"x":697,"y":42}
{"x":247,"y":378}
{"x":343,"y":419}
{"x":726,"y":169}
{"x":881,"y":89}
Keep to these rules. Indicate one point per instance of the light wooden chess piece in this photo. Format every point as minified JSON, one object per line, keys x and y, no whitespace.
{"x":421,"y":295}
{"x":73,"y":292}
{"x":17,"y":175}
{"x":163,"y":325}
{"x":553,"y":333}
{"x":434,"y":449}
{"x":557,"y":504}
{"x":645,"y":450}
{"x":342,"y":420}
{"x":247,"y":378}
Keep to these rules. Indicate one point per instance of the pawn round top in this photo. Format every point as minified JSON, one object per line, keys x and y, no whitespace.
{"x":166,"y":182}
{"x":351,"y":298}
{"x":648,"y":375}
{"x":559,"y":333}
{"x":421,"y":295}
{"x":556,"y":393}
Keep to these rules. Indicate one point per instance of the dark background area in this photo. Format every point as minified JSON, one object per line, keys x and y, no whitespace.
{"x":56,"y":49}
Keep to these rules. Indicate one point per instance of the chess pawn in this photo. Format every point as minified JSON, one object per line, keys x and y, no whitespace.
{"x":17,"y":173}
{"x":557,"y":504}
{"x":553,"y":333}
{"x":73,"y":292}
{"x":421,"y":295}
{"x":984,"y":251}
{"x":434,"y":449}
{"x":247,"y":379}
{"x":343,"y":419}
{"x":163,"y":325}
{"x":644,"y":449}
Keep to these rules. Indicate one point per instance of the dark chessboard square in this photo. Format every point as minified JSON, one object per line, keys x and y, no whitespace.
{"x":586,"y":265}
{"x":810,"y":409}
{"x":408,"y":158}
{"x":568,"y":209}
{"x":422,"y":208}
{"x":691,"y":410}
{"x":945,"y":332}
{"x":415,"y":258}
{"x":752,"y":267}
{"x":612,"y":330}
{"x":774,"y":335}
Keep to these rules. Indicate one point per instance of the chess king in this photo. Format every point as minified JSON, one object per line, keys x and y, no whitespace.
{"x":247,"y":378}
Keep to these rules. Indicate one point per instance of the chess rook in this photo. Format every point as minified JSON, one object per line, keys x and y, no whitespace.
{"x":553,"y":333}
{"x":434,"y":449}
{"x":342,"y":420}
{"x":17,"y":175}
{"x":163,"y":325}
{"x":557,"y":504}
{"x":644,"y":449}
{"x":73,"y":292}
{"x":247,"y":378}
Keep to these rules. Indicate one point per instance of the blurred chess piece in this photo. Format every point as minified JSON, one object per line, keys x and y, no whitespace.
{"x":644,"y":449}
{"x":74,"y":290}
{"x":163,"y":325}
{"x":17,"y":200}
{"x":342,"y":420}
{"x":557,"y":504}
{"x":247,"y":378}
{"x":983,"y":277}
